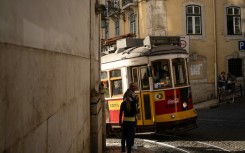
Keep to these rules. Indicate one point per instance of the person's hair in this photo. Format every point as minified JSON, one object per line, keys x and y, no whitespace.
{"x":132,"y":86}
{"x":128,"y":103}
{"x":222,"y":72}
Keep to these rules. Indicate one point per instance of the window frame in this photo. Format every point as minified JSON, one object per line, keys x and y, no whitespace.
{"x":136,"y":73}
{"x":233,"y":37}
{"x":193,"y":16}
{"x":141,"y":77}
{"x":184,"y":71}
{"x":156,"y":84}
{"x":112,"y":80}
{"x":132,"y":23}
{"x":203,"y":35}
{"x":136,"y":82}
{"x":233,"y":16}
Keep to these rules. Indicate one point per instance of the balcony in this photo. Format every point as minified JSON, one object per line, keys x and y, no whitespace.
{"x":128,"y":3}
{"x":112,"y":11}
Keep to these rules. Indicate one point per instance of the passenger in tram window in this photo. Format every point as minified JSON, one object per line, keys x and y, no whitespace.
{"x":165,"y":72}
{"x":106,"y":89}
{"x":162,"y":76}
{"x":117,"y":87}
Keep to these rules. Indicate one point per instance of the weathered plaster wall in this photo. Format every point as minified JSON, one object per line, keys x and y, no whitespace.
{"x":52,"y":25}
{"x":156,"y":18}
{"x":227,"y":47}
{"x":46,"y":49}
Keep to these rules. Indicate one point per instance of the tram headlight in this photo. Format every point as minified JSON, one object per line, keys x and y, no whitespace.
{"x":184,"y":105}
{"x":172,"y":116}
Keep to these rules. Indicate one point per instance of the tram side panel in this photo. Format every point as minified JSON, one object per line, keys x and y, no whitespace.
{"x":113,"y":110}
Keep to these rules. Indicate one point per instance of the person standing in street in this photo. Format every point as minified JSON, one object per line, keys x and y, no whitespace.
{"x":231,"y":80}
{"x":221,"y":79}
{"x":128,"y":108}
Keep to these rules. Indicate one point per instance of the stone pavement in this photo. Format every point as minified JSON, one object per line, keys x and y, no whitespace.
{"x":115,"y":147}
{"x":206,"y":104}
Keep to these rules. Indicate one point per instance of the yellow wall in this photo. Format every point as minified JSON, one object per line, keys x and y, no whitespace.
{"x":204,"y":46}
{"x":226,"y":47}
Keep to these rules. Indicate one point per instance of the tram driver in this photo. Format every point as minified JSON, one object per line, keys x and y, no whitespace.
{"x":161,"y":78}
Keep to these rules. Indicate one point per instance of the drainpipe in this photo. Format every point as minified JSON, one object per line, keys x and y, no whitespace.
{"x":138,"y":19}
{"x":215,"y":48}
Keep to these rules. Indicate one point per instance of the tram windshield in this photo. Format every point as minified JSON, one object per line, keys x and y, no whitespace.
{"x":161,"y":73}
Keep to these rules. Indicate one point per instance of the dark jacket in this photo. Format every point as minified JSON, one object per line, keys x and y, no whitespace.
{"x":127,"y":113}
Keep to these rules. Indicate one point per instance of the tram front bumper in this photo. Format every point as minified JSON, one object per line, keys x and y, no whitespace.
{"x":176,"y":126}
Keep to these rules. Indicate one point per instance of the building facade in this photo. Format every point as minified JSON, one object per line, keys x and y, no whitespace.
{"x":213,"y":29}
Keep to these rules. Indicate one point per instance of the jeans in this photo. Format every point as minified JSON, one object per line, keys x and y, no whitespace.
{"x":128,"y":133}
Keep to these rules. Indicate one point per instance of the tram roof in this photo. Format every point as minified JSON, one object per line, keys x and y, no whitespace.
{"x":143,"y":51}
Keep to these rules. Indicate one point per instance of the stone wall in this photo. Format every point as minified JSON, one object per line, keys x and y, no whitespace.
{"x":46,"y":51}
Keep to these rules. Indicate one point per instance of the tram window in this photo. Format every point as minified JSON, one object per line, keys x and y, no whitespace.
{"x":104,"y":75}
{"x":116,"y":82}
{"x":116,"y":87}
{"x":135,"y":77}
{"x":161,"y":73}
{"x":144,"y":79}
{"x":179,"y":71}
{"x":115,"y":73}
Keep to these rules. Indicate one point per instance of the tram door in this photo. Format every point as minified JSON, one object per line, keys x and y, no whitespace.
{"x":141,"y":78}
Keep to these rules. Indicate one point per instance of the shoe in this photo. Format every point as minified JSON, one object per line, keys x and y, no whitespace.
{"x":134,"y":147}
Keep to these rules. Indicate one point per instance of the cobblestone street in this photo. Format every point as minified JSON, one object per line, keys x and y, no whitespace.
{"x":220,"y":129}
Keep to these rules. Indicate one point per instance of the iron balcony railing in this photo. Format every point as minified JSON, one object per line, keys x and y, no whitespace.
{"x":112,"y":7}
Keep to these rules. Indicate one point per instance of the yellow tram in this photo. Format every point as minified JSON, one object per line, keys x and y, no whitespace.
{"x":158,"y":66}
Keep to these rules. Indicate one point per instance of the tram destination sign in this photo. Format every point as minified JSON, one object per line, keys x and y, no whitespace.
{"x":241,"y":45}
{"x":162,"y":40}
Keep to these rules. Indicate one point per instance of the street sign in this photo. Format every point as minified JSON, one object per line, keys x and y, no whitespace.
{"x":184,"y":42}
{"x":241,"y":45}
